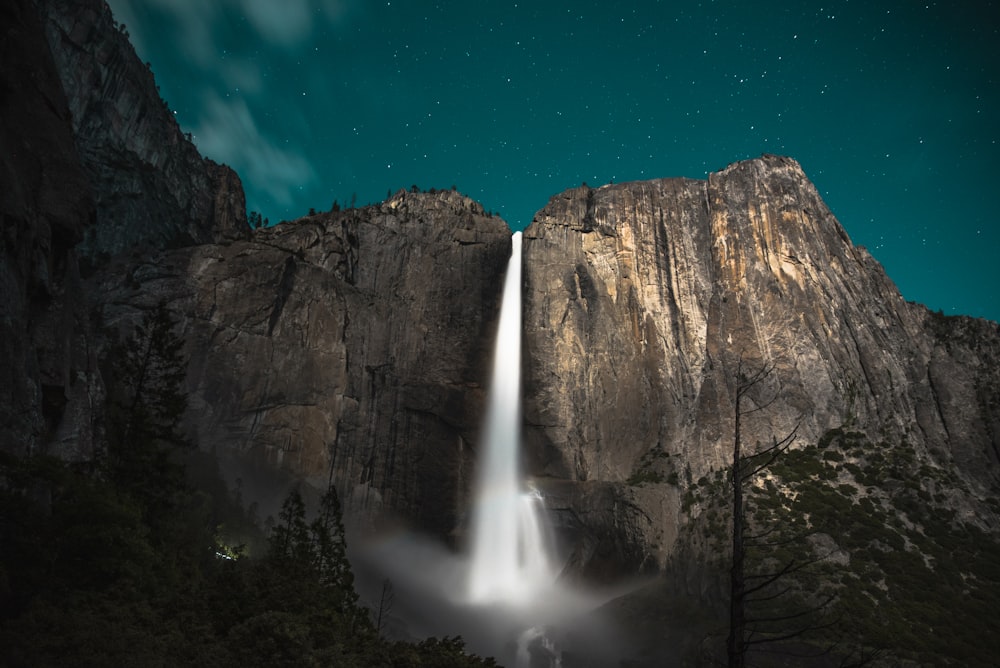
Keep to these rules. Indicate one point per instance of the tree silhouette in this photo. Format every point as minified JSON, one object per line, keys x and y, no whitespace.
{"x":767,"y":605}
{"x":145,"y":405}
{"x":741,"y":472}
{"x":290,"y":541}
{"x":330,"y":548}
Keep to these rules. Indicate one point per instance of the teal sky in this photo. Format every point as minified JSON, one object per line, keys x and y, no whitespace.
{"x":890,"y":107}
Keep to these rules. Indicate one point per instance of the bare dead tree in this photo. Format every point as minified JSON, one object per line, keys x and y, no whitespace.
{"x":384,"y":606}
{"x":756,"y":619}
{"x":743,"y":469}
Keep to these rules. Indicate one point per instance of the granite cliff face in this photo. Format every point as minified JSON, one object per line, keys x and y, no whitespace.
{"x":641,"y":298}
{"x":150,"y":184}
{"x":357,"y":340}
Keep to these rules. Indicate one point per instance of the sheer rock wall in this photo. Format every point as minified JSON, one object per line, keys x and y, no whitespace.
{"x":641,"y":300}
{"x":45,"y":207}
{"x":93,"y":165}
{"x":358,"y":340}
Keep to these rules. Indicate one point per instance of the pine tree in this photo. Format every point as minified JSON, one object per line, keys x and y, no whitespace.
{"x":290,"y":539}
{"x":330,"y":544}
{"x":145,"y":405}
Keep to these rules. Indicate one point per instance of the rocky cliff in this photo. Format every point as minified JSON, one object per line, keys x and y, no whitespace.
{"x":641,"y":300}
{"x":45,"y":207}
{"x":356,"y":340}
{"x":150,"y":184}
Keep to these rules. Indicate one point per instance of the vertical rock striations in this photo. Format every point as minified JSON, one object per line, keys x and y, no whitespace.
{"x":151,"y":185}
{"x":642,"y":298}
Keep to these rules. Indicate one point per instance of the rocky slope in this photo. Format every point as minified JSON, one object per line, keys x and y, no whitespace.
{"x":357,"y":340}
{"x":150,"y":184}
{"x":641,"y":300}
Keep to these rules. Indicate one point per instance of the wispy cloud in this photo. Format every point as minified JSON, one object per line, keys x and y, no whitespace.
{"x":288,"y":22}
{"x":224,"y":126}
{"x":284,"y":23}
{"x":226,"y":132}
{"x":193,"y":24}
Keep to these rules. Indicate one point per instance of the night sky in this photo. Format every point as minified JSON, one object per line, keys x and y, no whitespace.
{"x":890,"y":107}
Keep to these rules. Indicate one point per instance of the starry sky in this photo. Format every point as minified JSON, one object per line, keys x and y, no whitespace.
{"x":890,"y":107}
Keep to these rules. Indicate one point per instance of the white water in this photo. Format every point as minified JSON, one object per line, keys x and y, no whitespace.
{"x":510,"y":558}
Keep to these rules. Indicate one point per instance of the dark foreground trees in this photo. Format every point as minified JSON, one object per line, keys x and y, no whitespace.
{"x":148,"y":559}
{"x":85,"y":581}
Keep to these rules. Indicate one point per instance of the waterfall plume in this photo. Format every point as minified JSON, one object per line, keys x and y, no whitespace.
{"x":509,"y":548}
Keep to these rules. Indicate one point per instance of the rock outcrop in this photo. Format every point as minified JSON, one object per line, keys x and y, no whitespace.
{"x":643,"y":298}
{"x":357,"y":340}
{"x":150,"y":184}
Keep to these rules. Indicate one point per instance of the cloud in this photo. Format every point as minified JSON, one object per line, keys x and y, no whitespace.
{"x":202,"y":34}
{"x":195,"y":20}
{"x":243,"y":75}
{"x":283,"y":23}
{"x":227,"y":132}
{"x":286,"y":23}
{"x":289,"y":22}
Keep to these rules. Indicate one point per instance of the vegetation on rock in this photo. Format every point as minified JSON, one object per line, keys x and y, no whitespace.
{"x":905,"y":573}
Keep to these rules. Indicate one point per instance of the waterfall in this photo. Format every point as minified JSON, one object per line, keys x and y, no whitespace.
{"x":509,"y":557}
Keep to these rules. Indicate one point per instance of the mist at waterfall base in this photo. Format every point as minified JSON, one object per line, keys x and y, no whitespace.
{"x":503,"y":594}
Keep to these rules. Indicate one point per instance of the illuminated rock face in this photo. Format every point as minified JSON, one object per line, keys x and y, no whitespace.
{"x":641,"y":298}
